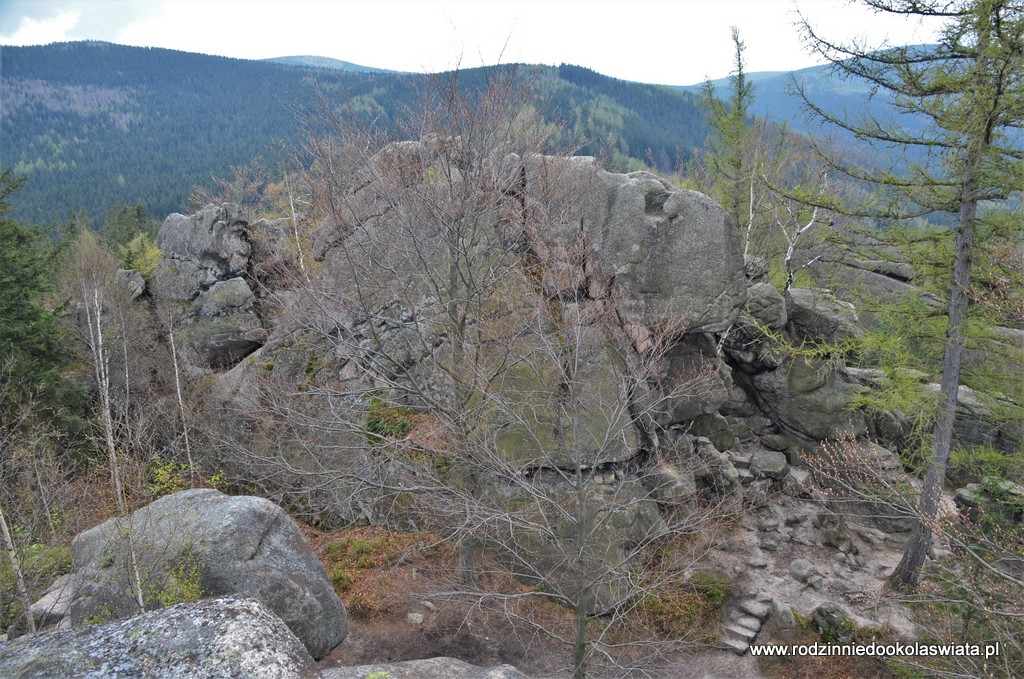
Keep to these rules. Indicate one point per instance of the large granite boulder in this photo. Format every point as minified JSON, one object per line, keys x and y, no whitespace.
{"x":213,"y":638}
{"x":202,"y":542}
{"x":223,"y":327}
{"x":199,"y":250}
{"x":817,"y":316}
{"x":810,"y":398}
{"x":766,"y":306}
{"x":866,"y":283}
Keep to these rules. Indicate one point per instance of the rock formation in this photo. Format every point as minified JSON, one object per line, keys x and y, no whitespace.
{"x":204,"y":270}
{"x":214,"y":638}
{"x":200,"y":542}
{"x":749,"y":384}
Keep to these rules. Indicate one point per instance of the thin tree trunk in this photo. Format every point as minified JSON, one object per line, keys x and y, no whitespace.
{"x":19,"y":576}
{"x":181,"y":408}
{"x":908,"y":570}
{"x":295,"y":228}
{"x":94,"y":315}
{"x":979,"y":137}
{"x":94,"y":311}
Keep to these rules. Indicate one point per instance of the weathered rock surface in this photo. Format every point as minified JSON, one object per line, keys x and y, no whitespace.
{"x":769,"y":463}
{"x":199,"y":250}
{"x":833,"y":622}
{"x":767,"y":306}
{"x":696,"y":383}
{"x":810,"y":398}
{"x":132,"y":281}
{"x":816,"y":315}
{"x":244,"y":546}
{"x":855,"y":282}
{"x":207,"y":258}
{"x":212,"y":638}
{"x":224,"y":327}
{"x":645,"y":236}
{"x":430,"y":668}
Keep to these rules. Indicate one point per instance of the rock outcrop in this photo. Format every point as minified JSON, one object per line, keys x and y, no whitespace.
{"x":199,"y":250}
{"x":222,"y":326}
{"x":214,"y":638}
{"x":645,"y":237}
{"x":202,"y":542}
{"x":204,"y":270}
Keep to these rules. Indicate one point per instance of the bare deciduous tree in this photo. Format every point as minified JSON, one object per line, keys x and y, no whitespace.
{"x":453,"y":371}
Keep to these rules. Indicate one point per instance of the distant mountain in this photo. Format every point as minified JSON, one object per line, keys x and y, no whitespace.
{"x":775,"y":99}
{"x":847,"y":98}
{"x":96,"y":124}
{"x":307,"y":61}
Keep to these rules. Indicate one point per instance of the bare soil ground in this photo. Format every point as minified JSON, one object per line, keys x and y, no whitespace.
{"x":389,"y":586}
{"x":386,"y":587}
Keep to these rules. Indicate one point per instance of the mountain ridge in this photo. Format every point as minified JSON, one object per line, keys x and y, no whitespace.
{"x":93,"y":124}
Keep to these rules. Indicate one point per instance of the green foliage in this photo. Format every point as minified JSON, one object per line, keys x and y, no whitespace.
{"x":33,"y":344}
{"x":183,"y":584}
{"x":124,"y":223}
{"x":165,"y":477}
{"x":140,"y":253}
{"x":357,"y":552}
{"x":41,"y":565}
{"x":386,"y":421}
{"x":731,"y":132}
{"x":685,"y":609}
{"x":358,"y":565}
{"x":341,"y":577}
{"x":985,"y":462}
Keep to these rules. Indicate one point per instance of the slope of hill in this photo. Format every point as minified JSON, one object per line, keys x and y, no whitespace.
{"x":96,"y":124}
{"x":848,"y":98}
{"x":774,"y":97}
{"x":309,"y":61}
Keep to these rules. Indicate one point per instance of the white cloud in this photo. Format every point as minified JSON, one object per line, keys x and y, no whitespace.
{"x":42,"y":31}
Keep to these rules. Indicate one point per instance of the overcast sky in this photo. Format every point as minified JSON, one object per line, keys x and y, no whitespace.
{"x":677,"y":42}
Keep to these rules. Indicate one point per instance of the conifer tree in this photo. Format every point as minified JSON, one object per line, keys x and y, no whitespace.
{"x":968,"y":88}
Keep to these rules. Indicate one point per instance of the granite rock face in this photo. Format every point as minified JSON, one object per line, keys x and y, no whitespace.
{"x":657,"y":250}
{"x":223,"y":326}
{"x":201,"y":249}
{"x":816,"y":315}
{"x":224,"y":638}
{"x":207,"y":261}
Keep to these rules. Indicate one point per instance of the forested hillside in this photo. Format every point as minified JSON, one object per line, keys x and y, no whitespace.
{"x":93,"y":125}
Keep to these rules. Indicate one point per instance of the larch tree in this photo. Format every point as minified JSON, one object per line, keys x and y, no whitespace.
{"x":965,"y":163}
{"x":731,"y":144}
